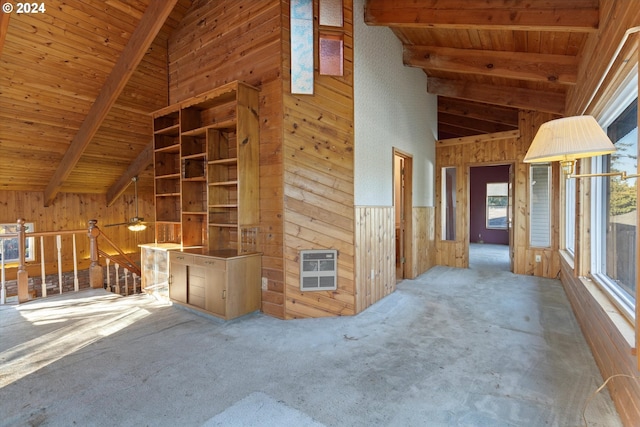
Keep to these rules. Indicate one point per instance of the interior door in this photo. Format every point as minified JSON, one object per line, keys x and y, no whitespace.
{"x":399,"y":202}
{"x":510,"y":218}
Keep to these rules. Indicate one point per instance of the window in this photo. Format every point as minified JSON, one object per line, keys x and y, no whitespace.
{"x":570,"y":215}
{"x":449,"y":203}
{"x":615,"y":213}
{"x":497,"y":203}
{"x":540,"y":209}
{"x":9,"y":247}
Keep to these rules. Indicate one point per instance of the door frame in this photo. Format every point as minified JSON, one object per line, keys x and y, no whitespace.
{"x":407,"y":208}
{"x":510,"y":215}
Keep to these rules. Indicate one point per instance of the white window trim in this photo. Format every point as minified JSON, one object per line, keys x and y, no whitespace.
{"x":570,"y":216}
{"x":506,"y":208}
{"x":548,"y":207}
{"x":618,"y":298}
{"x":624,"y":96}
{"x":31,"y":248}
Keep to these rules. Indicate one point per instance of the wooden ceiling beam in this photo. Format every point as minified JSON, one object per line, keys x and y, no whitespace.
{"x":475,"y":110}
{"x":532,"y":15}
{"x":478,"y":139}
{"x":526,"y":99}
{"x":144,"y":159}
{"x":535,"y":67}
{"x":474,"y":125}
{"x":446,"y":131}
{"x":140,"y":41}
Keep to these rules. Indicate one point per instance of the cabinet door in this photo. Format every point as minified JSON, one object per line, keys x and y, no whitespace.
{"x":216,"y":291}
{"x":178,"y":283}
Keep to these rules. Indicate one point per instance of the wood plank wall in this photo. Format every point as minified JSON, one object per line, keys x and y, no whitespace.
{"x":306,"y":146}
{"x":375,"y":250}
{"x":318,"y":179}
{"x":375,"y":254}
{"x":615,"y":18}
{"x":467,"y":152}
{"x":612,"y":352}
{"x":72,"y":212}
{"x":222,"y":41}
{"x":592,"y":93}
{"x":424,"y":239}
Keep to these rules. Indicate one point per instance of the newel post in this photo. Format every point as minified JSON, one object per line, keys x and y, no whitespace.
{"x":96,"y":278}
{"x":23,"y":275}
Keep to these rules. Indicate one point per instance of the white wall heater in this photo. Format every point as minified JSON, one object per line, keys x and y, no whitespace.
{"x":318,"y":269}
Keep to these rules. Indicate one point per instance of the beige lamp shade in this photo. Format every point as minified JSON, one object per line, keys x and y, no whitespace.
{"x":567,"y":139}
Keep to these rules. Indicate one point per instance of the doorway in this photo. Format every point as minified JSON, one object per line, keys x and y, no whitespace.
{"x":402,"y":206}
{"x":490,"y":217}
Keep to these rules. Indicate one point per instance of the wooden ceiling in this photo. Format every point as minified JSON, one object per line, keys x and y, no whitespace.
{"x":77,"y":82}
{"x":486,"y":59}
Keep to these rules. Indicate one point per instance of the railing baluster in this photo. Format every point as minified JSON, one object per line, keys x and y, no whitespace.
{"x":76,"y":284}
{"x":43,"y":273}
{"x":96,"y":277}
{"x":23,"y":274}
{"x":59,"y":246}
{"x":108,"y":276}
{"x":117,"y":278}
{"x":96,"y":272}
{"x":135,"y":289}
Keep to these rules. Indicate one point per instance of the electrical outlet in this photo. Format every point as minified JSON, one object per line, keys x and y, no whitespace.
{"x":373,"y":274}
{"x":265,"y":283}
{"x":538,"y":258}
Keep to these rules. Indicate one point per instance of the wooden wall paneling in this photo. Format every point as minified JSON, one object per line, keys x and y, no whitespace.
{"x":375,"y":246}
{"x":72,"y":212}
{"x":507,"y":147}
{"x":271,"y":198}
{"x":218,"y":42}
{"x":615,"y":18}
{"x":611,"y":350}
{"x":424,"y":255}
{"x":525,"y":258}
{"x":318,"y":180}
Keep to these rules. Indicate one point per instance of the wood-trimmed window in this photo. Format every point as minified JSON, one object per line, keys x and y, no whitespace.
{"x":9,"y":247}
{"x":540,"y":206}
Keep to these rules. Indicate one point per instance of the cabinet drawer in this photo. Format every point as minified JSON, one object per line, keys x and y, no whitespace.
{"x":208,"y":262}
{"x":181,"y":258}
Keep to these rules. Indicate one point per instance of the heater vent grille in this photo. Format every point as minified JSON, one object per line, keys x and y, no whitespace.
{"x":318,"y":269}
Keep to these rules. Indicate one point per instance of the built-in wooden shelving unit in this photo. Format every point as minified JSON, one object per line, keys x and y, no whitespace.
{"x":206,"y":158}
{"x":206,"y":170}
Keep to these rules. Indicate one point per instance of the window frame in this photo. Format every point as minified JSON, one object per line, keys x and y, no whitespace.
{"x":532,"y":182}
{"x":625,"y":302}
{"x":570,"y":211}
{"x":30,"y":246}
{"x":506,"y":206}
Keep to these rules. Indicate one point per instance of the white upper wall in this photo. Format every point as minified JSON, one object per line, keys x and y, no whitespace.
{"x":392,"y":109}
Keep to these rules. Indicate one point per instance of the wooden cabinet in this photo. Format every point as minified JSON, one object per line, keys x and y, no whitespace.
{"x":206,"y":157}
{"x":155,"y":269}
{"x":206,"y":160}
{"x":221,"y":283}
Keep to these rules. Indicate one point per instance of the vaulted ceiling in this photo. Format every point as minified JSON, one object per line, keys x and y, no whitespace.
{"x":486,"y":59}
{"x":77,"y":83}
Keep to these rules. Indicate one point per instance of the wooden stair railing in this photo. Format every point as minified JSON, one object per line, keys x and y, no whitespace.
{"x":121,"y":258}
{"x":96,"y":273}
